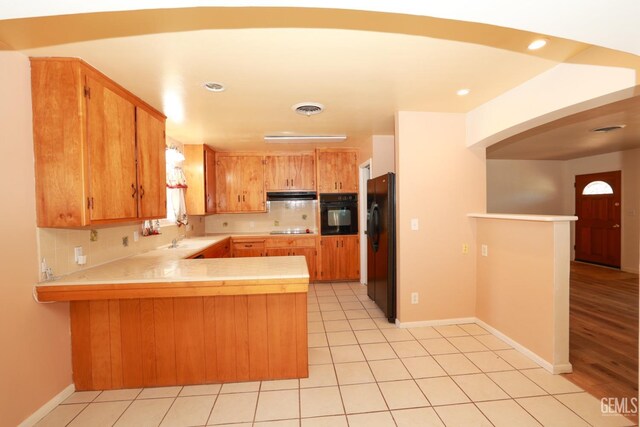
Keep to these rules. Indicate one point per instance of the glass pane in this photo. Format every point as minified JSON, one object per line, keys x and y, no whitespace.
{"x":597,"y":187}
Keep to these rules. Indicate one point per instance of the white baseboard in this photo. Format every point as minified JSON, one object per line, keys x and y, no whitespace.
{"x":554,"y":369}
{"x":48,"y":407}
{"x":439,"y":322}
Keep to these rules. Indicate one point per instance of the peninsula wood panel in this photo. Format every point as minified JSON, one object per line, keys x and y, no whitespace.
{"x":195,"y":340}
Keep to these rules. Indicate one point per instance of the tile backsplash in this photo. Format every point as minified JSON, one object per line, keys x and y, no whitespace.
{"x":56,"y":245}
{"x":280,"y":215}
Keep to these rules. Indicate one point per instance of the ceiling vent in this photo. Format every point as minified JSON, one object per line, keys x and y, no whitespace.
{"x":308,"y":108}
{"x":607,"y":129}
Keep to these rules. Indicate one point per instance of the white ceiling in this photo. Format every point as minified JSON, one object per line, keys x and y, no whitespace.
{"x":361,"y":77}
{"x":597,"y":22}
{"x":572,"y":136}
{"x":362,"y":66}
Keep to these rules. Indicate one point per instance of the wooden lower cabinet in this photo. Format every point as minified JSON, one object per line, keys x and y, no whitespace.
{"x":219,"y":250}
{"x":308,"y":253}
{"x":247,"y":248}
{"x":339,"y":258}
{"x":153,"y":342}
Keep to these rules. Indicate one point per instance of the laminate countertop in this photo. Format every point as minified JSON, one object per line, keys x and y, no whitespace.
{"x":164,"y":272}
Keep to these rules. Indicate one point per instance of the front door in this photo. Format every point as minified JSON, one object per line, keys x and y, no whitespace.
{"x":599,"y":218}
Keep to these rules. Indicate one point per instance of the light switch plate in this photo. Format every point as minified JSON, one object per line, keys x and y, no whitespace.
{"x":414,"y":224}
{"x":485,"y":250}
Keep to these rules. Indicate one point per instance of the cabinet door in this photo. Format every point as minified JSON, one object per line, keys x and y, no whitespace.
{"x":251,"y":169}
{"x":330,"y":265}
{"x":111,"y":140}
{"x":327,"y":166}
{"x":350,"y":257}
{"x":302,"y":172}
{"x":310,"y":255}
{"x":209,"y":180}
{"x":152,"y":188}
{"x":278,"y":252}
{"x":219,"y":250}
{"x":347,"y":171}
{"x":276,"y":173}
{"x":254,"y":252}
{"x":227,"y":184}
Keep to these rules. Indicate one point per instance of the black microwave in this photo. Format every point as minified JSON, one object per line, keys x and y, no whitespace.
{"x":338,"y":214}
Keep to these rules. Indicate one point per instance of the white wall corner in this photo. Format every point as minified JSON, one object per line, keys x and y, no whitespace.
{"x":563,"y":90}
{"x":561,"y":284}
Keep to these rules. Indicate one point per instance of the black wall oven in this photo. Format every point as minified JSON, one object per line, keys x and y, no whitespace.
{"x":338,"y":214}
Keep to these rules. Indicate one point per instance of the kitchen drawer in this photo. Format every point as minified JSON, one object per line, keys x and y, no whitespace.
{"x":291,"y":242}
{"x":248,"y":244}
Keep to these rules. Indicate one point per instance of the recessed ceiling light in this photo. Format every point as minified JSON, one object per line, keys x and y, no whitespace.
{"x":213,"y":86}
{"x":607,"y":129}
{"x":463,"y":92}
{"x":537,"y":44}
{"x":308,"y":108}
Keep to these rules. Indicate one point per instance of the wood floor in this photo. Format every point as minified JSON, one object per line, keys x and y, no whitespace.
{"x":604,"y":331}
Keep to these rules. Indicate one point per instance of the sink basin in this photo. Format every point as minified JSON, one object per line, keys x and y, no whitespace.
{"x":185,"y":245}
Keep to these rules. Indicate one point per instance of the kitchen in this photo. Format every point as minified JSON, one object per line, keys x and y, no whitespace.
{"x":460,"y":234}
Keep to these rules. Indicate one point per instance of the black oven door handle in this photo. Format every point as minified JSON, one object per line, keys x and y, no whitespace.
{"x":374,"y":226}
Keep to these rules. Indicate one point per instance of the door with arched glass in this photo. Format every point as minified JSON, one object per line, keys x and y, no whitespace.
{"x":598,"y":209}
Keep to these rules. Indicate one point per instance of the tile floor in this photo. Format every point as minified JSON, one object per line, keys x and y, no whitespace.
{"x":363,"y":372}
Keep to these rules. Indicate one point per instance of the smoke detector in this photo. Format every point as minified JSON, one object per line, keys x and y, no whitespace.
{"x":308,"y":108}
{"x":213,"y":86}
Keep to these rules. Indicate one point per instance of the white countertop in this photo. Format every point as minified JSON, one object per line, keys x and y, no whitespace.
{"x":165,"y":265}
{"x":527,"y":217}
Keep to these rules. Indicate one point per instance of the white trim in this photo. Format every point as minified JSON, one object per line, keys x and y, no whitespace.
{"x":48,"y":407}
{"x":439,"y":322}
{"x":362,"y":216}
{"x":554,"y":369}
{"x":518,"y":217}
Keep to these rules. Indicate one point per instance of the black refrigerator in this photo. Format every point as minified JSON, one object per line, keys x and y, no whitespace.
{"x":381,"y":243}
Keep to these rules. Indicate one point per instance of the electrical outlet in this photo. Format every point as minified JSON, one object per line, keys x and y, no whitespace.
{"x":276,"y":223}
{"x":93,"y":236}
{"x":414,"y":224}
{"x":414,"y":297}
{"x":485,"y":250}
{"x":225,"y":224}
{"x":125,"y":241}
{"x":465,"y":248}
{"x":136,"y":236}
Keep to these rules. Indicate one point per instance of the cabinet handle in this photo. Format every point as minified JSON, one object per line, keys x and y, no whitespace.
{"x":248,"y":246}
{"x":238,"y":198}
{"x":292,"y":182}
{"x":135,"y":190}
{"x":287,"y":182}
{"x":141,"y":191}
{"x":335,"y":185}
{"x":341,"y":185}
{"x":337,"y":244}
{"x":243,"y":197}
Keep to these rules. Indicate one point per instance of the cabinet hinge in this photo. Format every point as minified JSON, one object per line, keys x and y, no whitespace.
{"x":87,"y":92}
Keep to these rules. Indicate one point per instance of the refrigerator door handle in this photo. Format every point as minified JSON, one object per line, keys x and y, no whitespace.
{"x":374,"y":227}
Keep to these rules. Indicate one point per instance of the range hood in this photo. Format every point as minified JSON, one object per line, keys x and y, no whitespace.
{"x":281,"y":196}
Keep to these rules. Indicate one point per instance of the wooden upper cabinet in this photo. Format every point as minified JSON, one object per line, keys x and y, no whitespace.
{"x":285,"y":172}
{"x":152,"y":170}
{"x":209,"y":180}
{"x":337,"y":171}
{"x":240,"y":183}
{"x":91,"y":156}
{"x":199,"y":167}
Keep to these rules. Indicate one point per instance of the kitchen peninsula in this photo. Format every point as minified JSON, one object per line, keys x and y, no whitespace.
{"x":158,"y":319}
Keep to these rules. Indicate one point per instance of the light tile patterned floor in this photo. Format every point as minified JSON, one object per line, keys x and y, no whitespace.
{"x":363,"y":372}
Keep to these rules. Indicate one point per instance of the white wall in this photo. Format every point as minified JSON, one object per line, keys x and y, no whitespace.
{"x":546,"y":187}
{"x":526,"y":187}
{"x":383,"y":157}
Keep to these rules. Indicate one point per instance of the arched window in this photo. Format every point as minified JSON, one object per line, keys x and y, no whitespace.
{"x":597,"y":187}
